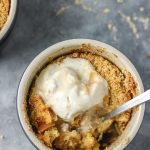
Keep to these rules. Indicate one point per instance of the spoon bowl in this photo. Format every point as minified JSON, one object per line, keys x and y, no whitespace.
{"x":130,"y":104}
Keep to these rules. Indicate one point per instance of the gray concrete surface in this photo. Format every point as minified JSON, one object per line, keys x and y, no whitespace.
{"x":122,"y":24}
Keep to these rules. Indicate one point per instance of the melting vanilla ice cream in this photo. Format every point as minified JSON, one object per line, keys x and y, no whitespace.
{"x":71,"y":87}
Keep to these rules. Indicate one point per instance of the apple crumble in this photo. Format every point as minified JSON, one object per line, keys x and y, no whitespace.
{"x":4,"y":12}
{"x":57,"y":133}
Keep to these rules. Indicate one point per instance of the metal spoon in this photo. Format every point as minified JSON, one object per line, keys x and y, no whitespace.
{"x":130,"y":104}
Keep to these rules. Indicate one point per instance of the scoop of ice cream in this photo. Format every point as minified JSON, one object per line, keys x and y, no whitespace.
{"x":71,"y":87}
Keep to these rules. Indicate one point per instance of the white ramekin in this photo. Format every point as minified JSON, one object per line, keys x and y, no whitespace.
{"x":61,"y":48}
{"x":7,"y":26}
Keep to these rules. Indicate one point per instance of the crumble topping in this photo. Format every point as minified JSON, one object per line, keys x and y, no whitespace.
{"x":4,"y":12}
{"x":57,"y":134}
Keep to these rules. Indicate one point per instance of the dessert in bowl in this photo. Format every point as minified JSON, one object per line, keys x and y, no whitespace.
{"x":4,"y":11}
{"x":68,"y":87}
{"x":8,"y":10}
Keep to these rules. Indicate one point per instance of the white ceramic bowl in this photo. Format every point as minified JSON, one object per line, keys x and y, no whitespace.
{"x":61,"y":48}
{"x":10,"y":19}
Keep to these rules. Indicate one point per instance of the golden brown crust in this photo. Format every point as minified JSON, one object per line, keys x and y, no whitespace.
{"x":4,"y":12}
{"x":49,"y":136}
{"x":89,"y":142}
{"x":49,"y":127}
{"x":40,"y":116}
{"x":68,"y":140}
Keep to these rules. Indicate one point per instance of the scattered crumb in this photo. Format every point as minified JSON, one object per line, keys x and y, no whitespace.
{"x":135,"y":18}
{"x":84,"y":6}
{"x":131,"y":24}
{"x":78,"y":2}
{"x":120,"y":1}
{"x":106,"y":10}
{"x":109,"y":26}
{"x":62,"y":9}
{"x":147,"y":56}
{"x":141,"y":9}
{"x":112,"y":27}
{"x":144,"y":21}
{"x":2,"y":137}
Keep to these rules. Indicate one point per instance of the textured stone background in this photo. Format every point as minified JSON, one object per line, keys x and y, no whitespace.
{"x":41,"y":23}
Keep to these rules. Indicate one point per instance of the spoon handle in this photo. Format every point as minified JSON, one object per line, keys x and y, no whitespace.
{"x":130,"y":104}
